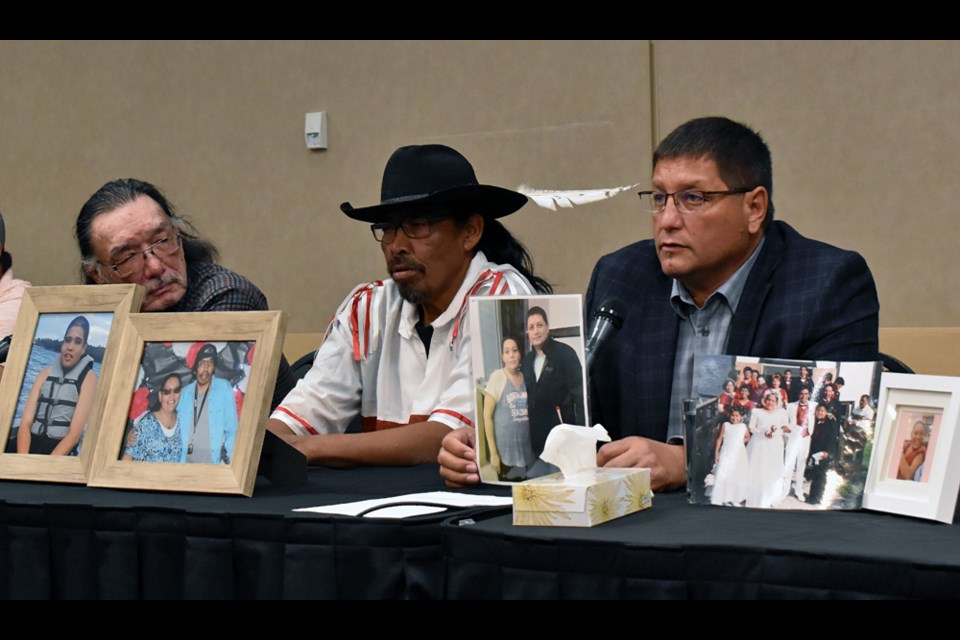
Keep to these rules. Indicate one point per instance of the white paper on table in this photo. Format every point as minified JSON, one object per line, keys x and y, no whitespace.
{"x":448,"y":498}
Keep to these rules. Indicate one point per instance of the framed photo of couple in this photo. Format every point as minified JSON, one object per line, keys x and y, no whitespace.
{"x":189,"y":403}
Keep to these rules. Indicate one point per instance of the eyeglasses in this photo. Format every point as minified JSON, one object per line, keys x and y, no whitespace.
{"x":169,"y":392}
{"x":134,"y":263}
{"x":413,"y":228}
{"x":685,"y":201}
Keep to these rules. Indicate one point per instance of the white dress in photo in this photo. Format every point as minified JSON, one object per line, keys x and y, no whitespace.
{"x":733,"y":472}
{"x":766,"y":457}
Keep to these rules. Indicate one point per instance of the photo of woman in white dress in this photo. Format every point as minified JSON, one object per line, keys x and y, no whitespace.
{"x":768,"y":424}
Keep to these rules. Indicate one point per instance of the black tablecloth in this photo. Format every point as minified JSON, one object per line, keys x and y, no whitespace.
{"x":61,"y":541}
{"x":677,"y":550}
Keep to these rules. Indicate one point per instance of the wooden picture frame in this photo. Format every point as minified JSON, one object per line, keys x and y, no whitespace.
{"x":119,"y":300}
{"x":929,"y":491}
{"x":265,"y":328}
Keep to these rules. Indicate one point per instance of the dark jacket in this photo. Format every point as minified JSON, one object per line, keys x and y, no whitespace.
{"x":560,"y":385}
{"x":803,"y":300}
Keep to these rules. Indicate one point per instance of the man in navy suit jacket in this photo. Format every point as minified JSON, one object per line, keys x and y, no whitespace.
{"x":778,"y":294}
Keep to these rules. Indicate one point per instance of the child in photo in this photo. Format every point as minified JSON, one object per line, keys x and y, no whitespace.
{"x":732,"y":474}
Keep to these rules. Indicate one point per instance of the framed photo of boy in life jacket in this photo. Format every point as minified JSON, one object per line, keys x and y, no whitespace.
{"x":188,"y":407}
{"x":52,"y":393}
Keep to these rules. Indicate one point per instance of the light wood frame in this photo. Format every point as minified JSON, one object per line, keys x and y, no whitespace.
{"x":119,"y":299}
{"x":266,"y":328}
{"x":935,"y":499}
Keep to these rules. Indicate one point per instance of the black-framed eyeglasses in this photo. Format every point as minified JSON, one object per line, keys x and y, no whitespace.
{"x":690,"y":201}
{"x":413,"y":228}
{"x":168,"y":392}
{"x":134,"y":263}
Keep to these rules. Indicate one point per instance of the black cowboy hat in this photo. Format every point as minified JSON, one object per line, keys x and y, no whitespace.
{"x":433,"y":174}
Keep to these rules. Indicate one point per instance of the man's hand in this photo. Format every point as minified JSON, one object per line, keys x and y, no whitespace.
{"x":668,"y":469}
{"x":457,"y":459}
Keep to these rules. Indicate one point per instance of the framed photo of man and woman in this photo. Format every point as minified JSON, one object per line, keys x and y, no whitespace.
{"x":528,"y":370}
{"x":188,"y":412}
{"x":55,"y":382}
{"x":780,"y":434}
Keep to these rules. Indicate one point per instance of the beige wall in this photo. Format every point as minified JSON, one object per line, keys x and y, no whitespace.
{"x":219,"y":127}
{"x":863,"y":137}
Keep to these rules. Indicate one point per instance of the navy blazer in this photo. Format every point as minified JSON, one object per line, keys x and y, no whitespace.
{"x":803,"y":300}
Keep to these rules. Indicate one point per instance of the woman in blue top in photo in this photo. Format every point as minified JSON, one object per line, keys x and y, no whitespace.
{"x":155,"y":436}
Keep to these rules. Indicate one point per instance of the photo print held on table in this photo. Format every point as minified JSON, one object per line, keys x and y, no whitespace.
{"x":780,"y":434}
{"x":528,"y":373}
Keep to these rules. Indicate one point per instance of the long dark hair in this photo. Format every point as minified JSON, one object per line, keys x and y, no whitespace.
{"x":502,"y":248}
{"x":116,"y":194}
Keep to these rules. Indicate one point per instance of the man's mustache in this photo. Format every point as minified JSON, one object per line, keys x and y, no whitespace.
{"x":163,"y":281}
{"x":401,"y":264}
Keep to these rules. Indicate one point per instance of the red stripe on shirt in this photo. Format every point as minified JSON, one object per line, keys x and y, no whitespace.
{"x":496,"y":282}
{"x":462,"y":418}
{"x":303,"y":422}
{"x":478,"y":283}
{"x":355,"y":326}
{"x":366,"y":326}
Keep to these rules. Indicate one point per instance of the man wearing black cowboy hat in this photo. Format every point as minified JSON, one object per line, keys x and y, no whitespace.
{"x":398,"y":351}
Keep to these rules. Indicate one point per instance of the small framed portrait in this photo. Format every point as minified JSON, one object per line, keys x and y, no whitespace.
{"x":189,"y":404}
{"x":62,"y":360}
{"x":528,"y":369}
{"x":911,"y":471}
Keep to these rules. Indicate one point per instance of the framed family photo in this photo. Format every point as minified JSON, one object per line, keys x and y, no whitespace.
{"x":62,"y":360}
{"x":528,"y":370}
{"x":913,"y":470}
{"x":189,"y":404}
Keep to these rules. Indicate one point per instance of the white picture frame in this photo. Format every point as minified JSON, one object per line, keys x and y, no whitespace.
{"x":906,"y":400}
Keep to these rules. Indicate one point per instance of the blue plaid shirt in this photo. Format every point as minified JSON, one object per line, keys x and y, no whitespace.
{"x":703,"y":331}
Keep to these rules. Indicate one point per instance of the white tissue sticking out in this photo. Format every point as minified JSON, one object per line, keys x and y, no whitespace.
{"x":574,"y":448}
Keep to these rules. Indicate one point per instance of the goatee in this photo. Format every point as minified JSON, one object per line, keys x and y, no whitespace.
{"x":409,"y":294}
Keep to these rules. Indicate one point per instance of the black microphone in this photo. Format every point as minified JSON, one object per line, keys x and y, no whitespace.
{"x":607,"y":320}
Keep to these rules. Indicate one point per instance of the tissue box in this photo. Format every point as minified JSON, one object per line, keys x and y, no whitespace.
{"x":583,"y":500}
